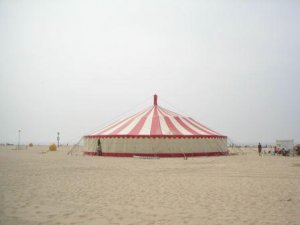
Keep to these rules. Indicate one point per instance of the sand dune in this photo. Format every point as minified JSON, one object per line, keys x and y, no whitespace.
{"x":56,"y":188}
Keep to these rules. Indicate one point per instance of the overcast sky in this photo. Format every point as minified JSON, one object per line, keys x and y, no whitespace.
{"x":73,"y":66}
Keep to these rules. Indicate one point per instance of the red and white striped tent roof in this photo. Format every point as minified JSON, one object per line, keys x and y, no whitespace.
{"x":156,"y":121}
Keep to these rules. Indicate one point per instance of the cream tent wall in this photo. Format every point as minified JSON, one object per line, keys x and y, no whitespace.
{"x":156,"y":131}
{"x":162,"y":147}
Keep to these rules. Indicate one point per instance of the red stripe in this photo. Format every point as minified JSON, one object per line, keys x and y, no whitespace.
{"x":185,"y":126}
{"x":161,"y":155}
{"x":171,"y":126}
{"x":114,"y":125}
{"x":200,"y":128}
{"x":90,"y":153}
{"x":169,"y":123}
{"x":165,"y":112}
{"x":155,"y":126}
{"x":123,"y":126}
{"x":203,"y":125}
{"x":136,"y":130}
{"x":155,"y":136}
{"x":208,"y":130}
{"x":169,"y":112}
{"x":110,"y":127}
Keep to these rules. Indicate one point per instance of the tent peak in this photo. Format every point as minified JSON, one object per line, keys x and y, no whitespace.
{"x":155,"y":99}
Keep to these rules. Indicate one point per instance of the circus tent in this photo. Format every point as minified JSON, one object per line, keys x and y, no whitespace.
{"x":156,"y":131}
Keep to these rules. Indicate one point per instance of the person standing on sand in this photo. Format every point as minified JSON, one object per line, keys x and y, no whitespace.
{"x":259,"y":149}
{"x":99,"y":149}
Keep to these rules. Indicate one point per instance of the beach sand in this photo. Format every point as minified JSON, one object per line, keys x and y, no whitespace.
{"x":56,"y":188}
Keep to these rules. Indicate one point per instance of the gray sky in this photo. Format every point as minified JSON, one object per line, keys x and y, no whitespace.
{"x":73,"y":66}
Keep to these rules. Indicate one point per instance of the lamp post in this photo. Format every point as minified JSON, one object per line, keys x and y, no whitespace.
{"x":58,"y":139}
{"x":19,"y":138}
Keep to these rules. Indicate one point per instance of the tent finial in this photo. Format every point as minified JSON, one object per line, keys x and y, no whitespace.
{"x":155,"y":99}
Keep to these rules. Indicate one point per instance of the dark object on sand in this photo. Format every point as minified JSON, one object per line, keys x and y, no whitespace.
{"x":297,"y":149}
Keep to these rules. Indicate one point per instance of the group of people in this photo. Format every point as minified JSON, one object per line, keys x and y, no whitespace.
{"x":261,"y":152}
{"x":277,"y":151}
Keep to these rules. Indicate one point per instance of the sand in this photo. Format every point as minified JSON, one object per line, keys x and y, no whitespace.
{"x":56,"y":188}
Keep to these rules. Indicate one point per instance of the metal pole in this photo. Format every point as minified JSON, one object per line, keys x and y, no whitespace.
{"x":57,"y":139}
{"x":19,"y":139}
